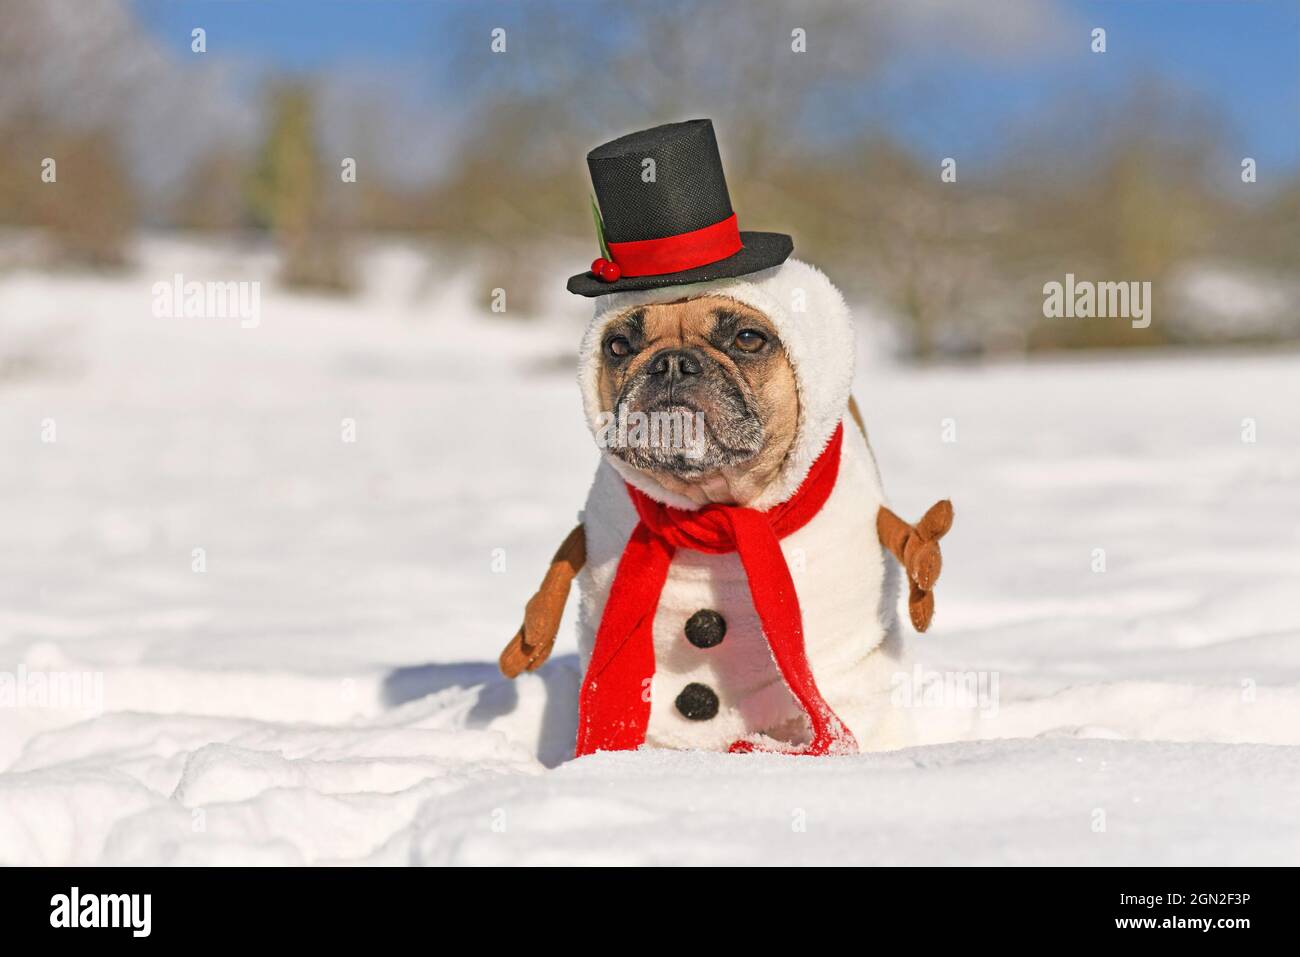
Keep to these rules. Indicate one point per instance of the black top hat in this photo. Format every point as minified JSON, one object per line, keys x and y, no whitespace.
{"x":666,"y":216}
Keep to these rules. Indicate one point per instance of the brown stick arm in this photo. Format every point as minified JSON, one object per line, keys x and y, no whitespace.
{"x":916,"y":547}
{"x":531,"y":645}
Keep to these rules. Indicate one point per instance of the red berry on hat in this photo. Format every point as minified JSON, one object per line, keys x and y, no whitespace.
{"x":597,"y":264}
{"x":609,"y":271}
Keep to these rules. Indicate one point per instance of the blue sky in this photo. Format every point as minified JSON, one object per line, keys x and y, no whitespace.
{"x":1243,"y":56}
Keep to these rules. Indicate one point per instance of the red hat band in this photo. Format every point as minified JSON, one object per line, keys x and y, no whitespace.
{"x":699,"y":247}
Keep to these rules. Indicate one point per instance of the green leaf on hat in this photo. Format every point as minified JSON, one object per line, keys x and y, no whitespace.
{"x":600,"y":228}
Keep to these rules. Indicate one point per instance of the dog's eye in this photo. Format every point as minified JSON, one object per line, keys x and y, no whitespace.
{"x":750,"y":340}
{"x":618,"y":347}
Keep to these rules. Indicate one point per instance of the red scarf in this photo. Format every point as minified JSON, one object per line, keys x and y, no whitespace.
{"x":614,"y":705}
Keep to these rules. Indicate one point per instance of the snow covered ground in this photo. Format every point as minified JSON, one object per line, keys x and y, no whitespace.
{"x":230,"y":635}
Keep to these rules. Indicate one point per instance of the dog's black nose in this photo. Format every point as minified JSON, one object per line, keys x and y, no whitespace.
{"x":675,"y":363}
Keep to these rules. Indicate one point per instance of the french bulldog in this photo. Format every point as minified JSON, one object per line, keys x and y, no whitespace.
{"x":738,"y":590}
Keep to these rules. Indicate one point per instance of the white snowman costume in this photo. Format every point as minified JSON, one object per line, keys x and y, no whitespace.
{"x":847,"y":588}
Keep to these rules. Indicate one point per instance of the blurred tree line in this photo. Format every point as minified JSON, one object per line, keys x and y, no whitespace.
{"x":50,"y":86}
{"x":1138,"y":192}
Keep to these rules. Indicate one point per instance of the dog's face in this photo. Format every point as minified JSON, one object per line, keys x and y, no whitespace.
{"x":702,"y":396}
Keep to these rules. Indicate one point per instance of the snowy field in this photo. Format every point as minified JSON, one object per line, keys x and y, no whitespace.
{"x":318,"y":683}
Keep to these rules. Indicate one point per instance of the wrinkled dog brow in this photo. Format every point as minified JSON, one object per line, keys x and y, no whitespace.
{"x":724,"y":322}
{"x":633,"y":322}
{"x":728,"y":321}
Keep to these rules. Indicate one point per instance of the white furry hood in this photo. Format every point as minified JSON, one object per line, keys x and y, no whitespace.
{"x":815,"y":327}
